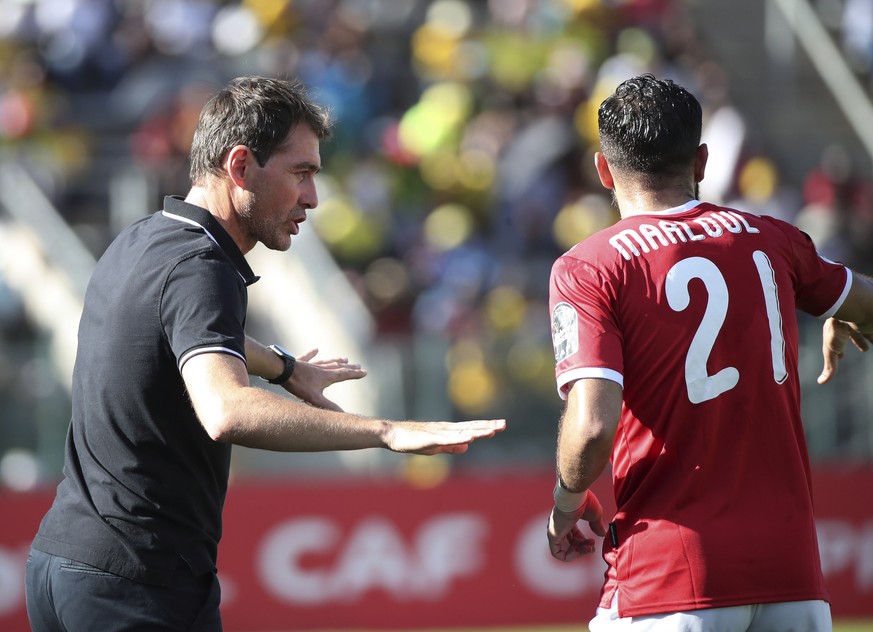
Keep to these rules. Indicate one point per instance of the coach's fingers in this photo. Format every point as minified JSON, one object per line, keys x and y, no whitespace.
{"x":480,"y":427}
{"x":456,"y":448}
{"x":308,"y":355}
{"x":326,"y":404}
{"x":341,"y":368}
{"x":341,"y":373}
{"x":439,"y":437}
{"x":470,"y":430}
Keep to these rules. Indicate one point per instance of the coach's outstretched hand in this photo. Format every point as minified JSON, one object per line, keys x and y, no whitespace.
{"x":439,"y":437}
{"x":311,"y":377}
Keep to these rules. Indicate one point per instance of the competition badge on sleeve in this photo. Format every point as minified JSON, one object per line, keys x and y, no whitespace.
{"x":565,"y":331}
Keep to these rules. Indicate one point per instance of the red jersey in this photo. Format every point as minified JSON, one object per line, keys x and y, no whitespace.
{"x":692,"y":310}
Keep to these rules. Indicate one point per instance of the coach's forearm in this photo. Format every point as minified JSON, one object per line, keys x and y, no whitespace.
{"x":257,"y":418}
{"x":260,"y":361}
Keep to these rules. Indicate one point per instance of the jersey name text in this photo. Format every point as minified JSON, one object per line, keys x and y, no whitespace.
{"x":647,"y":237}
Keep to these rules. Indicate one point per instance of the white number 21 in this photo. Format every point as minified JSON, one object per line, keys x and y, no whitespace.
{"x":701,"y":386}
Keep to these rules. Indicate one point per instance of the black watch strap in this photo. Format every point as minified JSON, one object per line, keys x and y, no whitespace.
{"x":290,"y":363}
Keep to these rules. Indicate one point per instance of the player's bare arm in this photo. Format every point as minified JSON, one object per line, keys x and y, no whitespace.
{"x":852,"y":322}
{"x":587,"y":430}
{"x":585,"y":436}
{"x":232,"y":411}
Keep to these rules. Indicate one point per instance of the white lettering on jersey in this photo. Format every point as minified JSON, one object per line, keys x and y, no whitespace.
{"x":565,"y":331}
{"x":647,"y":237}
{"x":710,"y":227}
{"x":673,"y":231}
{"x":651,"y":234}
{"x":730,"y":222}
{"x":622,"y":239}
{"x":691,"y":234}
{"x":749,"y":229}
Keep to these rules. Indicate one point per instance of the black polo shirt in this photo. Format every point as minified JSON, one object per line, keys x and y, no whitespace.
{"x":143,"y":482}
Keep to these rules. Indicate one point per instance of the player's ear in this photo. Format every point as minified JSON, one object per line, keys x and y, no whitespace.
{"x":603,"y":171}
{"x":237,"y":163}
{"x":700,"y":159}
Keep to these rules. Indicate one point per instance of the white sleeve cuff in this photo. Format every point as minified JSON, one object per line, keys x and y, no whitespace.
{"x":566,"y":379}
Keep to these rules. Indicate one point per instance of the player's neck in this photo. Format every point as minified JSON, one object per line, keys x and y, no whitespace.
{"x":635,"y":201}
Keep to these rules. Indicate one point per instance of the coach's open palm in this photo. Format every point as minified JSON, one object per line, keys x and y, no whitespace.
{"x":311,"y":377}
{"x":436,"y":437}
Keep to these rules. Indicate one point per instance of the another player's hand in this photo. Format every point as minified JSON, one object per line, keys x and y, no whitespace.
{"x":438,"y":437}
{"x":311,"y":377}
{"x":566,"y":540}
{"x":836,"y":334}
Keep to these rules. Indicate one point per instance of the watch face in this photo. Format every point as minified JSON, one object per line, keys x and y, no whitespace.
{"x":289,"y":360}
{"x":281,"y":350}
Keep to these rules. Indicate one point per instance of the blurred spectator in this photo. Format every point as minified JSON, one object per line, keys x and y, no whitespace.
{"x":850,"y":23}
{"x":857,"y":35}
{"x":837,"y":209}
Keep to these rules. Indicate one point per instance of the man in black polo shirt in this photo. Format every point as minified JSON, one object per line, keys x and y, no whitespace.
{"x":161,"y":384}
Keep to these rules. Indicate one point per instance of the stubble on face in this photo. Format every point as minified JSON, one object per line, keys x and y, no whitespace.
{"x":279,"y":193}
{"x":261,"y":224}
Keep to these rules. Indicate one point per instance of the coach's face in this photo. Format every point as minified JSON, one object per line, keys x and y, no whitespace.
{"x":278,"y":194}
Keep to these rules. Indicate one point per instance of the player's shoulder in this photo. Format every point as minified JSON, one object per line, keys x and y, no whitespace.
{"x":751,"y":218}
{"x":592,"y":260}
{"x":597,"y":244}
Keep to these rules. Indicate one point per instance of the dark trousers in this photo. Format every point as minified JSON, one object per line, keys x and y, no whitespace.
{"x":68,"y":596}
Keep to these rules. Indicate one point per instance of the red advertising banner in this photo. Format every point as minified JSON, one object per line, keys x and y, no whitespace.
{"x":470,"y":552}
{"x":378,"y":554}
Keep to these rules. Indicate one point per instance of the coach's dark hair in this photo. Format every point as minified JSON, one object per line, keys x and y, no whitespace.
{"x":257,"y":112}
{"x":650,"y":127}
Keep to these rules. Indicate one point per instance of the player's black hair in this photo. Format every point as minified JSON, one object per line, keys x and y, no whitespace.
{"x":650,"y":127}
{"x":257,"y":112}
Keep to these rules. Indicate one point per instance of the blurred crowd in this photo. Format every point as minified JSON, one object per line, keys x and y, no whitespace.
{"x":851,"y":23}
{"x":462,"y":161}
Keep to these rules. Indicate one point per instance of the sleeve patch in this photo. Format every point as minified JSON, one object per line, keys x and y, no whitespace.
{"x":565,"y":331}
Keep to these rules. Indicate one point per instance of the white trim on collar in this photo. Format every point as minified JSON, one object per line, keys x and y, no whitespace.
{"x":676,"y":209}
{"x":186,"y":220}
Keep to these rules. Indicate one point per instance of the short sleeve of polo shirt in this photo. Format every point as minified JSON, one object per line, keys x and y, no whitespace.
{"x":203,"y":307}
{"x":580,"y":302}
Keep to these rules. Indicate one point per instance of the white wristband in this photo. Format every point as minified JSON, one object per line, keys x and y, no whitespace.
{"x":567,"y":501}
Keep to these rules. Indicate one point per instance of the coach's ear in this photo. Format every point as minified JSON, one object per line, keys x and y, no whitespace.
{"x":237,"y":163}
{"x":603,"y":171}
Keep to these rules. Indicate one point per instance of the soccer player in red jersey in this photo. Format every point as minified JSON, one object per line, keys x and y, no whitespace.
{"x":676,"y":345}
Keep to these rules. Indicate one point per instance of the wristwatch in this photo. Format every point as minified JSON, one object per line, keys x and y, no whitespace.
{"x":289,"y":360}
